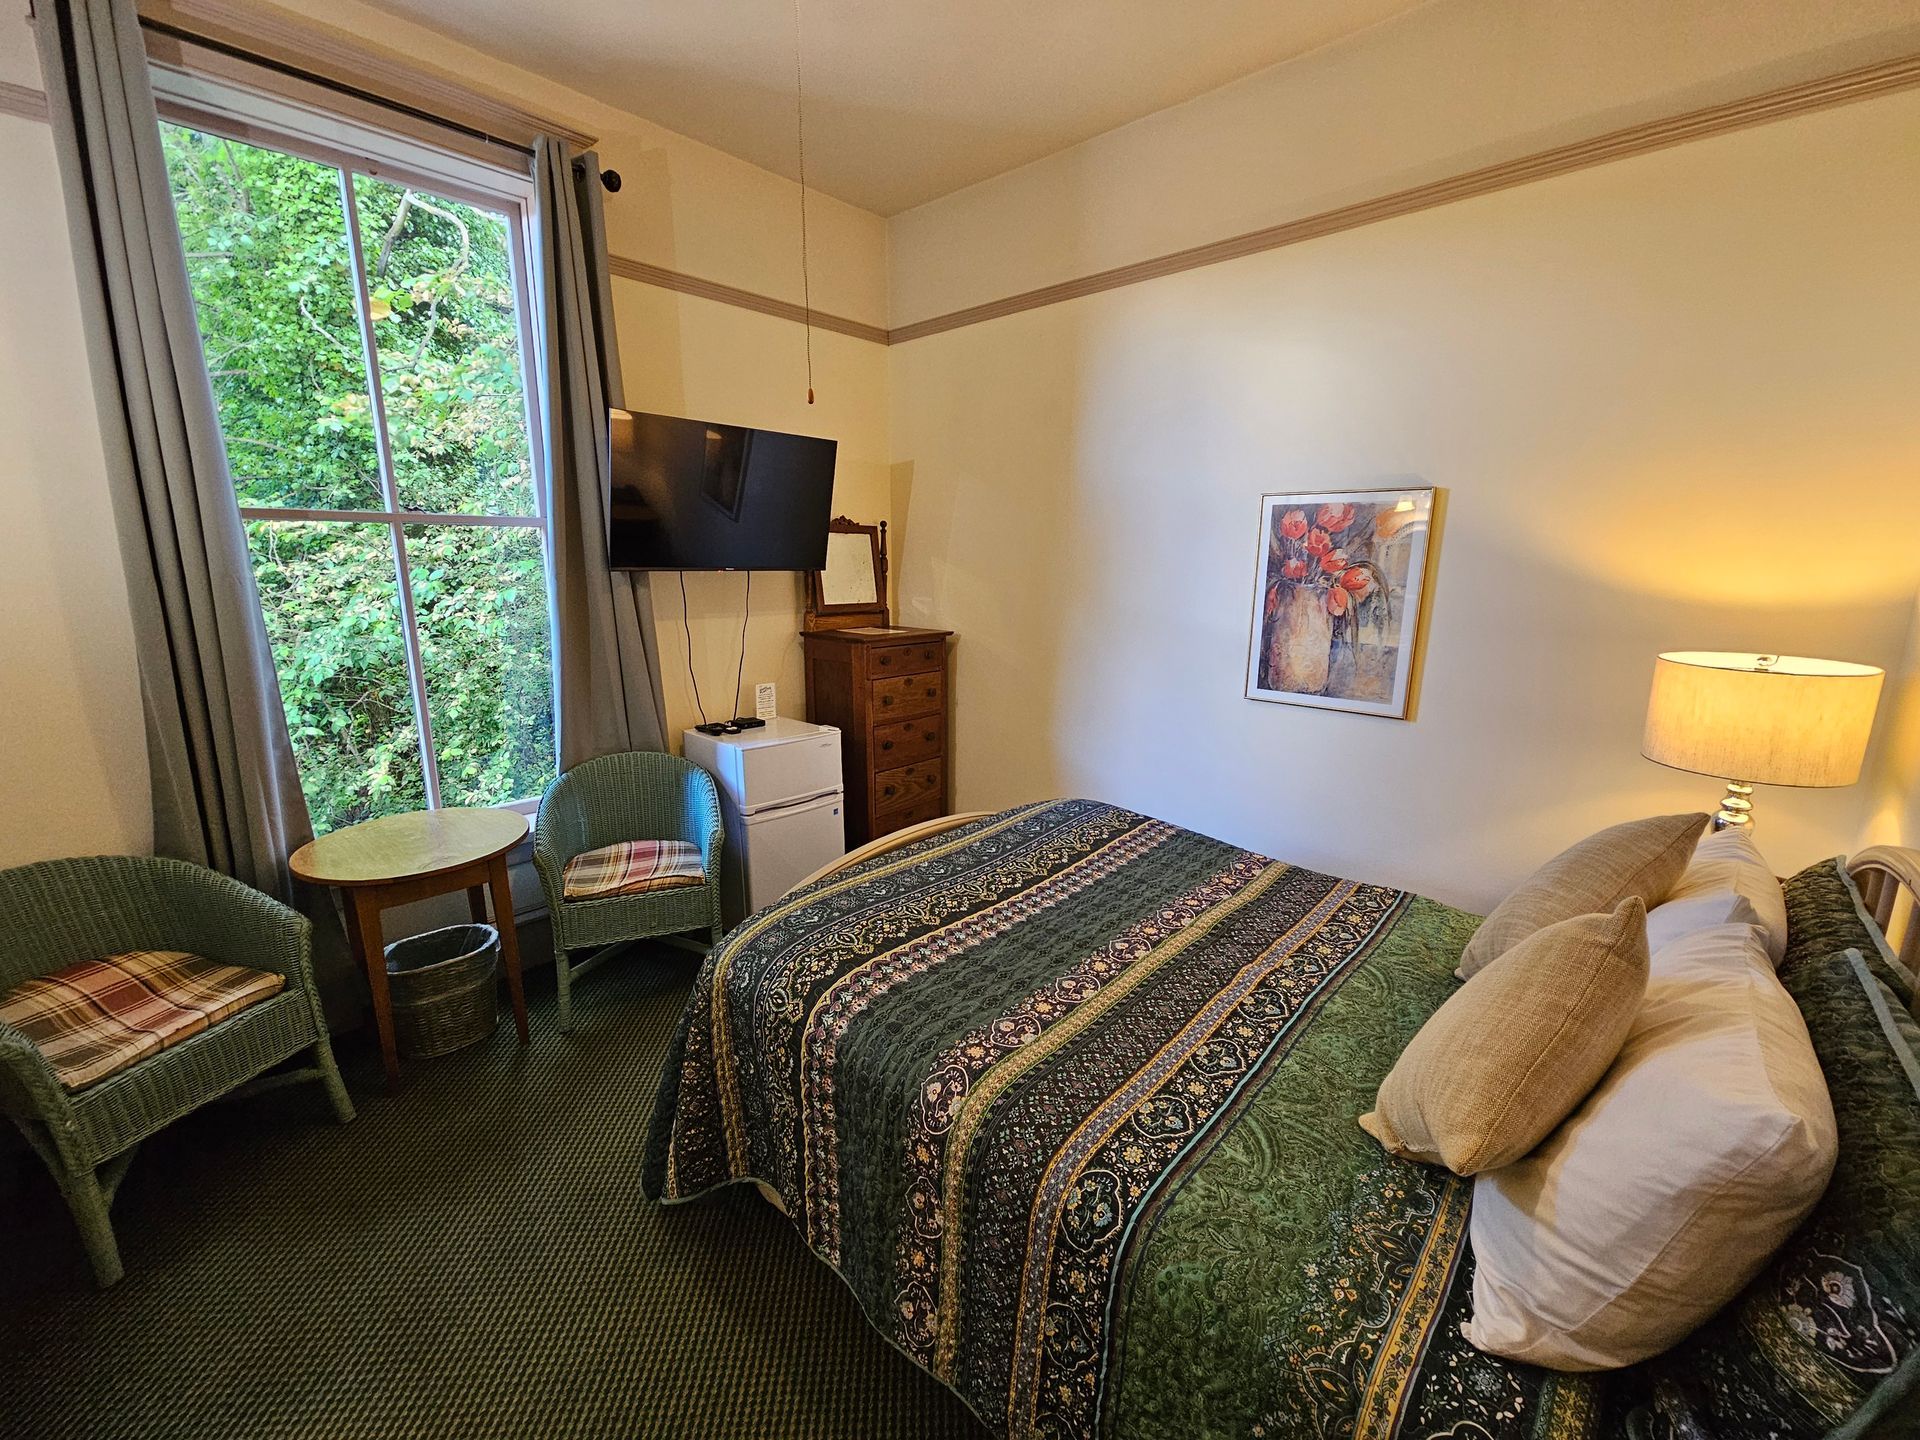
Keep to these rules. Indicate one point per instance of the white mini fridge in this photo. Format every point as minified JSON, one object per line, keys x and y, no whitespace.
{"x":782,"y":797}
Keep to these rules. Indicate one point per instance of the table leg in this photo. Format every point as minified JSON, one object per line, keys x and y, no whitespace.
{"x":477,"y":903}
{"x":370,"y":944}
{"x":509,"y":940}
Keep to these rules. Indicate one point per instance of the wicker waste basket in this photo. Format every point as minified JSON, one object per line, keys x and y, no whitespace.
{"x":442,"y":983}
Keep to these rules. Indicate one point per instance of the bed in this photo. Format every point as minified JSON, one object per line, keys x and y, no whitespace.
{"x":1067,"y":1094}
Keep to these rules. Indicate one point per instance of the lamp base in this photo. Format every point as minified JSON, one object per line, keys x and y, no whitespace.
{"x":1736,"y":806}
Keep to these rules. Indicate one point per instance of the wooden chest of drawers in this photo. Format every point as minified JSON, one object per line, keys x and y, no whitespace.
{"x":886,"y":689}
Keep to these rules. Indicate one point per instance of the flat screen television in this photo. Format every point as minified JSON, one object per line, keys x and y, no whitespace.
{"x":688,"y":495}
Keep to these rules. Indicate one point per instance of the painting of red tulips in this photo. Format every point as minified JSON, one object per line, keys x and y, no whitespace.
{"x":1337,"y":606}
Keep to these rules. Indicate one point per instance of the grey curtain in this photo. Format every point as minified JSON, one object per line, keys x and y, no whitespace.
{"x":605,"y":650}
{"x":226,"y":793}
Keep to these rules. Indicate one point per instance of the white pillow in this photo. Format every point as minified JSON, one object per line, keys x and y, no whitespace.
{"x":1727,"y":860}
{"x":1679,"y":918}
{"x":1650,"y":1207}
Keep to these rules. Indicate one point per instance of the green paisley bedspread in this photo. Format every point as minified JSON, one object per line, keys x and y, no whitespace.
{"x":1068,"y":1098}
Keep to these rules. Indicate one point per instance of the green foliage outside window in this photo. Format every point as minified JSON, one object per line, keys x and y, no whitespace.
{"x":269,"y":256}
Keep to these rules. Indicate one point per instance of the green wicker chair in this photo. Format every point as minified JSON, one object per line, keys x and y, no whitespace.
{"x":60,"y":912}
{"x":641,"y":795}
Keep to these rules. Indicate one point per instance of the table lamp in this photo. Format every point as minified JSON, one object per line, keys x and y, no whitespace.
{"x":1760,"y":719}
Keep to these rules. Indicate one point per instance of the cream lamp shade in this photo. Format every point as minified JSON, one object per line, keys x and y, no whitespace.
{"x":1760,"y":719}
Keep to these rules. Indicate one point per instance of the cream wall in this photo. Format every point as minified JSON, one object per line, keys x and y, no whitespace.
{"x":1894,"y":818}
{"x":1670,"y":402}
{"x":1442,"y":89}
{"x":1604,"y":371}
{"x":71,"y":757}
{"x":683,"y":355}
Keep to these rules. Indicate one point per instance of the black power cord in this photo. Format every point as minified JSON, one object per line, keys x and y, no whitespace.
{"x":739,"y":722}
{"x":740,"y":670}
{"x":687,"y":627}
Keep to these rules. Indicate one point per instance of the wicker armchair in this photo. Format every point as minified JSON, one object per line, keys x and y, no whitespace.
{"x":62,"y":912}
{"x":641,"y":795}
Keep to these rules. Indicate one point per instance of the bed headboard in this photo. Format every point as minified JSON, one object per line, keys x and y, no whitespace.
{"x":1889,"y":881}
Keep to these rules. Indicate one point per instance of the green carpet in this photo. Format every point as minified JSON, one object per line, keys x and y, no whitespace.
{"x":471,"y":1258}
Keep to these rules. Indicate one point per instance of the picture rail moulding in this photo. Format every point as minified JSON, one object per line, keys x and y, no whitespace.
{"x":334,"y":56}
{"x":1865,"y":83}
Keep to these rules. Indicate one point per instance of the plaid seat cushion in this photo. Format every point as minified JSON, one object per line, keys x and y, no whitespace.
{"x":631,"y":867}
{"x":100,"y":1016}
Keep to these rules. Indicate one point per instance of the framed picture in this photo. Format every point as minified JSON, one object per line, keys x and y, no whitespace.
{"x":1336,"y":606}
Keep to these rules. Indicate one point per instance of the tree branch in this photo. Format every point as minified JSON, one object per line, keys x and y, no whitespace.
{"x":238,"y":186}
{"x":410,"y":200}
{"x":349,"y":351}
{"x":392,"y":236}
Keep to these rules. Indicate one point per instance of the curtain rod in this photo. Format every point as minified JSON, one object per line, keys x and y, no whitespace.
{"x":160,"y":27}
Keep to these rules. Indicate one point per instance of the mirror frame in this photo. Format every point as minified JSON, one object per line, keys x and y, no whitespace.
{"x":822,"y":616}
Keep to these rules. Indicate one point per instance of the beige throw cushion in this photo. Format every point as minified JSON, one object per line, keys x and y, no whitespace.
{"x":1506,"y":1058}
{"x":1709,"y":1140}
{"x":1642,"y":858}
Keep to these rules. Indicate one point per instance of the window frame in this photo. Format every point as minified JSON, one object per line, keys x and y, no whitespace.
{"x":228,"y":110}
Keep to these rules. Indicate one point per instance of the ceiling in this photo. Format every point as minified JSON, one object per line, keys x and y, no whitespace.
{"x":906,"y":99}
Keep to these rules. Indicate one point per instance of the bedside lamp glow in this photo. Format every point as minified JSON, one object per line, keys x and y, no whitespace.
{"x":1760,"y":719}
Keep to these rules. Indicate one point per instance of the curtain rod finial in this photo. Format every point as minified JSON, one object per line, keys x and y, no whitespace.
{"x":609,"y":178}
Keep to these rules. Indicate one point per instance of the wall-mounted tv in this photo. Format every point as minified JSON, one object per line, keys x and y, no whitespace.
{"x":688,"y":495}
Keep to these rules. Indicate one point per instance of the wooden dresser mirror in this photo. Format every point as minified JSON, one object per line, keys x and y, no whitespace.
{"x":852,"y":590}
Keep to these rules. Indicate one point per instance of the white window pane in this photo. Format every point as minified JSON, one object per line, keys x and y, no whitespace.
{"x":280,"y":307}
{"x":268,"y":255}
{"x":333,"y":615}
{"x":480,"y":594}
{"x":440,"y":282}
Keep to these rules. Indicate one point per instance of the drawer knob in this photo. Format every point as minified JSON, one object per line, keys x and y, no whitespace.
{"x":886,"y":744}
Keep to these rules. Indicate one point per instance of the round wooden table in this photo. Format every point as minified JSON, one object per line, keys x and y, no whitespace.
{"x":398,"y":858}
